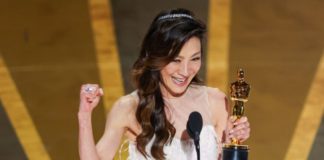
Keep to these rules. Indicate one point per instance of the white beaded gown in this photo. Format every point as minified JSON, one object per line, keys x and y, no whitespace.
{"x":195,"y":99}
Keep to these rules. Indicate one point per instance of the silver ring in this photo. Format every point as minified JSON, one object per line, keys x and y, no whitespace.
{"x":89,"y":89}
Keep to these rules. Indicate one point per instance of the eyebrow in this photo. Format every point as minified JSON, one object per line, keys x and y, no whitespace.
{"x":199,"y":52}
{"x":195,"y":54}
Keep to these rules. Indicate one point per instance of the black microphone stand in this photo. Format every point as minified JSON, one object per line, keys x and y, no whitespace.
{"x":197,"y":146}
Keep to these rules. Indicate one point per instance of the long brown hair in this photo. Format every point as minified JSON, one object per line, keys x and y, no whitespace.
{"x":169,"y":31}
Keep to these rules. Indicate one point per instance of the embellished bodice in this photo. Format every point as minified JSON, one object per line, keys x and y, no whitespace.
{"x":184,"y":149}
{"x":178,"y":110}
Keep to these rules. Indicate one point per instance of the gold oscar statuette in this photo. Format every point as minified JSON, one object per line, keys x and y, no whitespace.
{"x":239,"y":93}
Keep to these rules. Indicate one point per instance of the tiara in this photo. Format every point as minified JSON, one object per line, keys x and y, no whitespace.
{"x":170,"y":16}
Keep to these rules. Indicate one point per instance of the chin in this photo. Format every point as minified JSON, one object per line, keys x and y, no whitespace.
{"x":178,"y":91}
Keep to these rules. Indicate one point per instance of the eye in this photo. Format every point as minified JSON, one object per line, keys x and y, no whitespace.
{"x":176,"y":60}
{"x":196,"y":59}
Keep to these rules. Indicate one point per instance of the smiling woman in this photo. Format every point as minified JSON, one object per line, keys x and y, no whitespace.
{"x":154,"y":116}
{"x":178,"y":74}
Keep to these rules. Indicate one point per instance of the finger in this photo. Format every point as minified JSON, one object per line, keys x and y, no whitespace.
{"x":239,"y":130}
{"x":233,"y":119}
{"x":101,"y":92}
{"x":96,"y":100}
{"x":242,"y":126}
{"x":241,"y":120}
{"x":236,"y":133}
{"x":243,"y":134}
{"x":89,"y":99}
{"x":230,"y":123}
{"x":235,"y":125}
{"x":238,"y":127}
{"x":244,"y":137}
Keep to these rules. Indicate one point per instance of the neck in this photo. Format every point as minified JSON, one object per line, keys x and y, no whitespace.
{"x":166,"y":93}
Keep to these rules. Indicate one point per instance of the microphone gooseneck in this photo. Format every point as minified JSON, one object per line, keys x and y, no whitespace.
{"x":194,"y":126}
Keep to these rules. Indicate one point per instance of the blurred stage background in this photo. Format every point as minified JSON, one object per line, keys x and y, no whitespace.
{"x":48,"y":48}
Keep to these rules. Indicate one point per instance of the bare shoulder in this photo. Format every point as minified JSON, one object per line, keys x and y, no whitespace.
{"x":126,"y":103}
{"x":218,"y":104}
{"x":119,"y":119}
{"x":216,"y":96}
{"x":124,"y":109}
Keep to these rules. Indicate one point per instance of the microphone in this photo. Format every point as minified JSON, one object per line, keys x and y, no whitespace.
{"x":194,"y":126}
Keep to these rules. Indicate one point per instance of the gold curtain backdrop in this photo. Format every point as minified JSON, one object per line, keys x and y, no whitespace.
{"x":49,"y":48}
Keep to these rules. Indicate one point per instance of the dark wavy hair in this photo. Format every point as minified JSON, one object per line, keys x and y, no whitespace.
{"x":169,"y":31}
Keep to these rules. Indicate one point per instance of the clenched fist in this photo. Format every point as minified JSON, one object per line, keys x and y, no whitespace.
{"x":89,"y":97}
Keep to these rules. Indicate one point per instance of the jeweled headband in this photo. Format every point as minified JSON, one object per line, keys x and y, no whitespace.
{"x":171,"y":16}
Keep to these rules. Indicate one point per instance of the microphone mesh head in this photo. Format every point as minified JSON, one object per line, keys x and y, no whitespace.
{"x":194,"y":124}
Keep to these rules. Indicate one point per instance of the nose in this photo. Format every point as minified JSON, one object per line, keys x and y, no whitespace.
{"x":184,"y":69}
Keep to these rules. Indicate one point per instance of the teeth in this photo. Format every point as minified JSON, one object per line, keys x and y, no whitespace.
{"x":178,"y":80}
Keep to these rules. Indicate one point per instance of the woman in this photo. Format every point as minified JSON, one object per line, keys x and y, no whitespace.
{"x":154,"y":117}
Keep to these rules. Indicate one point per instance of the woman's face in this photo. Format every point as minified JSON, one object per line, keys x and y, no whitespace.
{"x":178,"y":74}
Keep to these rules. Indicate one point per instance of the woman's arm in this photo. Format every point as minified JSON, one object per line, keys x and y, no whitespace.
{"x":117,"y":121}
{"x":226,"y":126}
{"x":89,"y":99}
{"x":87,"y":149}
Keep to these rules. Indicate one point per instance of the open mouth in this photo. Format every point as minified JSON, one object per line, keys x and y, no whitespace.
{"x":179,"y":81}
